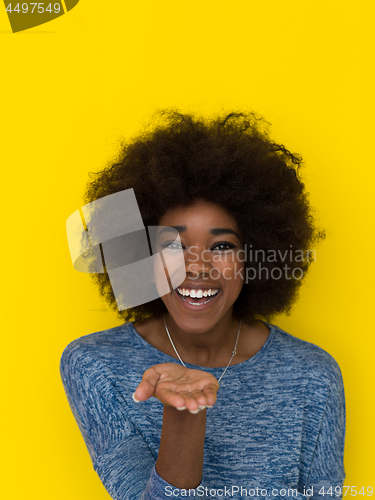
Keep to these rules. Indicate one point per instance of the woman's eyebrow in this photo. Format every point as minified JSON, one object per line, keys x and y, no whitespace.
{"x":216,"y":231}
{"x":219,"y":231}
{"x":167,"y":229}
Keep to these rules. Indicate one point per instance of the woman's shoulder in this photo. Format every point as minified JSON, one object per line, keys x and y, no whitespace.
{"x":115,"y":336}
{"x":116,"y":353}
{"x":301,"y":355}
{"x":104,"y":345}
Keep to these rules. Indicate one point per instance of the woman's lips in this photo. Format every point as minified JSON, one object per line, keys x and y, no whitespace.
{"x":197,"y":292}
{"x":196,"y":304}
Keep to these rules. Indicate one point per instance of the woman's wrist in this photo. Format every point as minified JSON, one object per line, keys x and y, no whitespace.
{"x":180,"y":459}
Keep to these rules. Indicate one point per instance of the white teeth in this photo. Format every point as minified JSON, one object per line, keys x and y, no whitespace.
{"x":197,"y":293}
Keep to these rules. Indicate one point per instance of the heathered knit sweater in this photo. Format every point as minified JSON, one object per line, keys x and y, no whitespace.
{"x":277,"y":429}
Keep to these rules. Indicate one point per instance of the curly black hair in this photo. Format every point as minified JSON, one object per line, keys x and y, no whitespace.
{"x":230,"y":161}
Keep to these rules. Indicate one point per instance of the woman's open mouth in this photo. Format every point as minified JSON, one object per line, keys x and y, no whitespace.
{"x":197,"y":297}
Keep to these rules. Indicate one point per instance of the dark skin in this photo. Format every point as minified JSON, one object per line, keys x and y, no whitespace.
{"x":204,"y":335}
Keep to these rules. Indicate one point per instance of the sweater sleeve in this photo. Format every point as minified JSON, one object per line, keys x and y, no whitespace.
{"x":323,"y":477}
{"x":120,"y":454}
{"x":326,"y":474}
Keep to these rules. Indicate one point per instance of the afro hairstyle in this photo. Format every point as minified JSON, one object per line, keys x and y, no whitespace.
{"x":230,"y":161}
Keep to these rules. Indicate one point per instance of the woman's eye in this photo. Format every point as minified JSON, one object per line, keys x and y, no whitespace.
{"x":172,"y":245}
{"x":222,"y":247}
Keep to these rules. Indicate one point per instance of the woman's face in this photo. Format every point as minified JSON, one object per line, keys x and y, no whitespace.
{"x":214,"y":265}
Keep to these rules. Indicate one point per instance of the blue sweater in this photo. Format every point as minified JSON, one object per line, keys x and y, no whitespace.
{"x":277,"y":429}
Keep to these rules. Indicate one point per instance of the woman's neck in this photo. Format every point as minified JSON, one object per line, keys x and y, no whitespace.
{"x":212,"y":348}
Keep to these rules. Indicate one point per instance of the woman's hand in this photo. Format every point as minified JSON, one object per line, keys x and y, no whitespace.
{"x":175,"y":385}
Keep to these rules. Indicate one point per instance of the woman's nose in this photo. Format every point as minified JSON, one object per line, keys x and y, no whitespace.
{"x":197,"y":261}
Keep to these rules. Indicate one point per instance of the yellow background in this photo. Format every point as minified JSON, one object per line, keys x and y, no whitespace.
{"x":71,"y":88}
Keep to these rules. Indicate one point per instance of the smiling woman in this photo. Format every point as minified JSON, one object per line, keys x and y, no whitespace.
{"x":206,"y":231}
{"x":197,"y":394}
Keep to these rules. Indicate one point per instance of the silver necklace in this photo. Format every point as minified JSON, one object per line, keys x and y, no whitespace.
{"x":234,"y":352}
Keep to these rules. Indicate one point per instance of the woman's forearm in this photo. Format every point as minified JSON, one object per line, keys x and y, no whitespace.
{"x":180,"y":459}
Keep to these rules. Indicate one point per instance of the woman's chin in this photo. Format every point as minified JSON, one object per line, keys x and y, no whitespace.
{"x":192,"y":318}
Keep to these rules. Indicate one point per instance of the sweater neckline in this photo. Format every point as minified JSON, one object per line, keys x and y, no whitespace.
{"x":212,"y":369}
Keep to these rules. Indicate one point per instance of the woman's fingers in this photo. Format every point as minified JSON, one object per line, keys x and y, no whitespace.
{"x":193,"y":401}
{"x":147,"y":387}
{"x":170,"y":397}
{"x":201,"y":401}
{"x":210,"y":391}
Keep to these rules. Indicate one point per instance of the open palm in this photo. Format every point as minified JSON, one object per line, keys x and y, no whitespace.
{"x":177,"y":386}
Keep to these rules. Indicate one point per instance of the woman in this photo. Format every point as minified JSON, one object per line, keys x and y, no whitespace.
{"x":244,"y":408}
